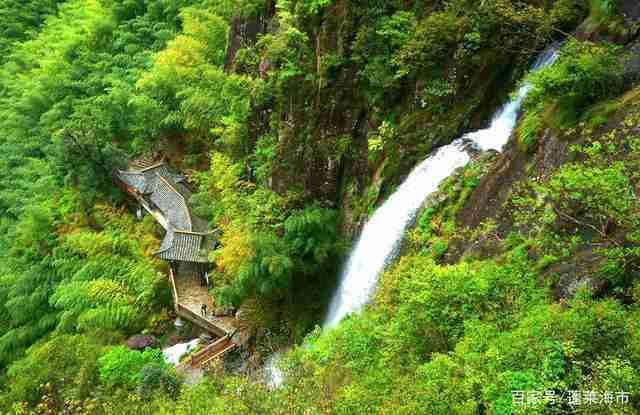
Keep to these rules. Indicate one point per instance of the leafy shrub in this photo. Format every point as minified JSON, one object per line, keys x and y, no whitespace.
{"x":600,"y":194}
{"x":602,"y":9}
{"x":566,"y":13}
{"x":436,"y":301}
{"x":121,"y":366}
{"x":429,"y":46}
{"x":274,"y":263}
{"x":109,"y":283}
{"x":529,"y":129}
{"x":20,"y":19}
{"x":374,"y":50}
{"x":586,"y":198}
{"x":67,"y":363}
{"x":584,"y":73}
{"x":154,"y":376}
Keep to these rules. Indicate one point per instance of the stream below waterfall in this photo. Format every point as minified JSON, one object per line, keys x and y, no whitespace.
{"x":173,"y":354}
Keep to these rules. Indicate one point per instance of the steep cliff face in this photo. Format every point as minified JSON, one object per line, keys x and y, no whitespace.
{"x":555,"y":152}
{"x":630,"y":9}
{"x":244,"y":31}
{"x":488,"y":201}
{"x":369,"y":95}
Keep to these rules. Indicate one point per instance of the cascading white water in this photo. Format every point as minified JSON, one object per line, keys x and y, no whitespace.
{"x":173,"y":354}
{"x":273,"y":375}
{"x":382,"y":235}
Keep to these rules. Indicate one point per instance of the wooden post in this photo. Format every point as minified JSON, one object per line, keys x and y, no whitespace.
{"x":174,"y":290}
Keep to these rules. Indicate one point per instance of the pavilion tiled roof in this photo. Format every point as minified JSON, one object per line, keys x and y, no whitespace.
{"x":173,"y":204}
{"x":185,"y":246}
{"x":133,"y":179}
{"x":187,"y":238}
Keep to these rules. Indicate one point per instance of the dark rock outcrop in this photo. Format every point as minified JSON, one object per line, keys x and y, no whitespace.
{"x":579,"y":272}
{"x":141,"y":342}
{"x":244,"y":31}
{"x":488,"y":198}
{"x":632,"y":63}
{"x":630,"y":9}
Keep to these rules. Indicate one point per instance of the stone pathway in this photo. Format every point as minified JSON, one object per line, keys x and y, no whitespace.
{"x":192,"y":295}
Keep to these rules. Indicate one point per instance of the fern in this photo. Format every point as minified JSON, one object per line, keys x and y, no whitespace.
{"x":111,"y":318}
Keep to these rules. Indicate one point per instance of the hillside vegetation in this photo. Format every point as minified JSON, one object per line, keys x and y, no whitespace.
{"x":293,"y":120}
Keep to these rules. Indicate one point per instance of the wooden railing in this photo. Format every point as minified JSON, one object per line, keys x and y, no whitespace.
{"x":224,"y":343}
{"x":213,"y":350}
{"x":174,"y":290}
{"x":205,"y":364}
{"x":185,"y":312}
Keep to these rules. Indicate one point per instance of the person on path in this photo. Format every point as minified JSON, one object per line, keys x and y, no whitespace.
{"x":203,"y":310}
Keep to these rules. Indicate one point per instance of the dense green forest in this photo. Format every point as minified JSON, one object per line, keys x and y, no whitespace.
{"x":293,"y":120}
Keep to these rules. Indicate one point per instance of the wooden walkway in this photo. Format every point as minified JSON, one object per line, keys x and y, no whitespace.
{"x":207,"y":356}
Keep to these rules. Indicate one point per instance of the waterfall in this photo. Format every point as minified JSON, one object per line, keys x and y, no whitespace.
{"x":382,"y":235}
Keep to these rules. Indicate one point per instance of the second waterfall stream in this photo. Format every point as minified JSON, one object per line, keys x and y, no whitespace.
{"x":382,"y":235}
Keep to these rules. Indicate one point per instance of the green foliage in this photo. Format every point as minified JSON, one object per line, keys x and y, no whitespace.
{"x":529,"y":129}
{"x":589,"y":202}
{"x":280,"y":266}
{"x":374,"y":52}
{"x":593,"y":195}
{"x":515,"y":341}
{"x":86,"y":84}
{"x":189,"y":89}
{"x":448,"y":297}
{"x":603,"y":9}
{"x":430,"y":45}
{"x":584,"y":73}
{"x":156,"y":376}
{"x":604,"y":193}
{"x":566,"y":13}
{"x":456,"y":338}
{"x":108,"y":284}
{"x":68,"y":118}
{"x":266,"y":273}
{"x":20,"y":20}
{"x":436,"y":223}
{"x":129,"y":368}
{"x":66,"y":364}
